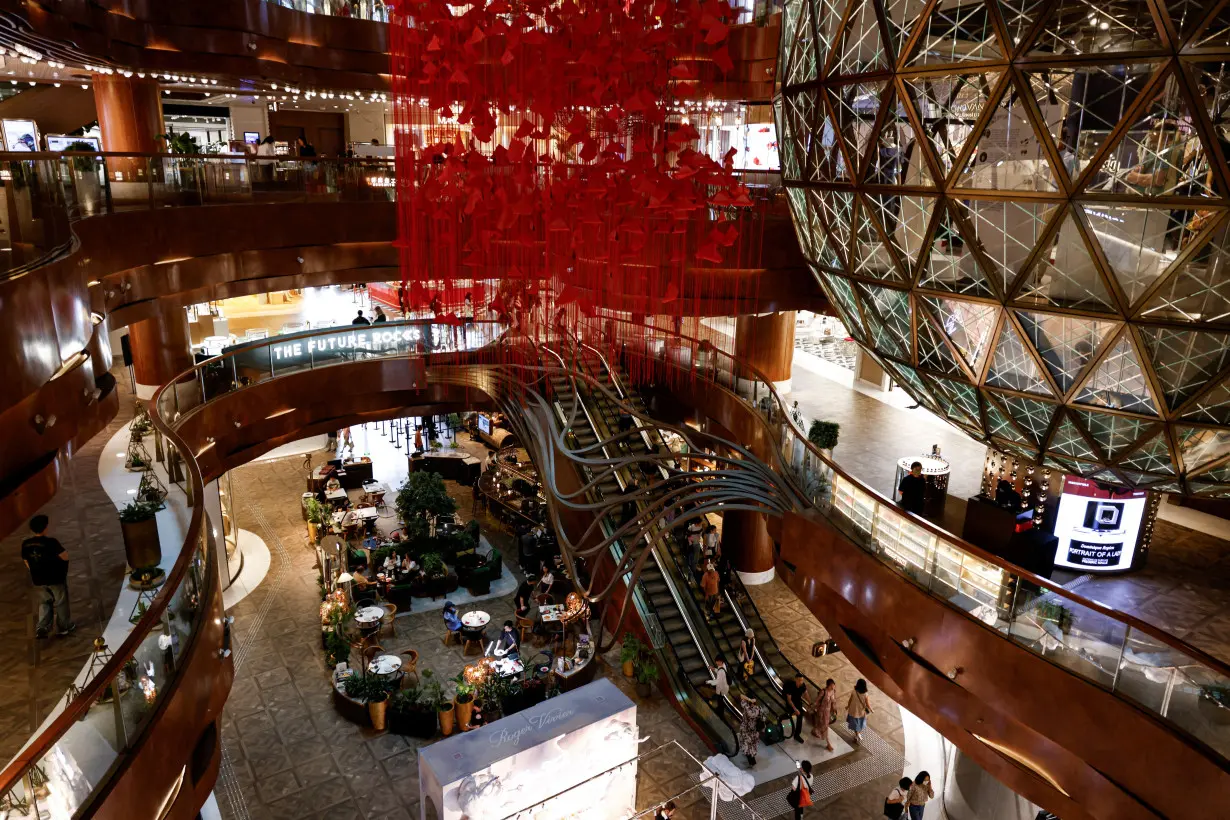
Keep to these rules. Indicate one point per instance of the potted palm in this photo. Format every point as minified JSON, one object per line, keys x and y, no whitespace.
{"x":629,"y":651}
{"x":142,"y":548}
{"x":646,"y":671}
{"x":374,"y":691}
{"x":420,"y":499}
{"x":316,"y":513}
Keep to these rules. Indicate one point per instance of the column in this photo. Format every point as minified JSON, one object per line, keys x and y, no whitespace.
{"x":161,"y":348}
{"x":766,"y":342}
{"x":746,"y":541}
{"x":129,"y":113}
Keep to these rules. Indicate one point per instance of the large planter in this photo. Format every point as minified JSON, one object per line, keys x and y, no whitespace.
{"x":446,"y":719}
{"x":644,"y":690}
{"x":312,"y":532}
{"x":420,"y":723}
{"x":465,"y":709}
{"x":141,"y":545}
{"x":377,"y":710}
{"x":627,"y":669}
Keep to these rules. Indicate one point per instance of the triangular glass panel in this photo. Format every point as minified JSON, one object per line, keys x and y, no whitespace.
{"x":1153,"y":457}
{"x":933,"y":353}
{"x":1008,"y":156}
{"x":896,"y":159}
{"x":870,"y":256}
{"x":1031,"y":415}
{"x":961,"y":401}
{"x":823,"y":246}
{"x":810,"y":240}
{"x":1199,"y":446}
{"x":892,"y":307}
{"x":905,"y":220}
{"x":950,"y":265}
{"x":1185,"y":360}
{"x":1000,"y":426}
{"x":828,"y":18}
{"x":1200,"y":290}
{"x":1081,"y":105}
{"x":902,"y":17}
{"x":1065,"y":275}
{"x":1118,"y":382}
{"x":1107,"y":476}
{"x":843,"y":298}
{"x":1095,"y":27}
{"x":1213,"y":407}
{"x":1065,"y":343}
{"x":1140,"y":479}
{"x":794,"y":114}
{"x":1217,"y":33}
{"x":1140,"y":243}
{"x":1212,"y":89}
{"x":1069,"y":441}
{"x":1207,"y":489}
{"x":837,"y":210}
{"x":1167,"y":487}
{"x":1060,"y":465}
{"x":958,"y":31}
{"x":855,"y":107}
{"x":912,"y":383}
{"x":1114,"y":434}
{"x":1161,"y":154}
{"x":1187,"y":15}
{"x":885,"y":213}
{"x":824,"y":160}
{"x":1006,"y":232}
{"x":1012,"y":366}
{"x":787,"y":152}
{"x":1217,"y":475}
{"x":949,"y":107}
{"x":800,"y":55}
{"x":861,"y":49}
{"x":967,"y":324}
{"x":1020,"y":17}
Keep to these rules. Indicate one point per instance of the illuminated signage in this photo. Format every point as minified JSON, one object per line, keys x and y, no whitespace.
{"x":339,"y":344}
{"x":1098,"y":530}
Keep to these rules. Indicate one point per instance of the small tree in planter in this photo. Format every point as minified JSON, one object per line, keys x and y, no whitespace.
{"x":316,"y":514}
{"x":140,"y":528}
{"x":823,"y":434}
{"x":374,"y":691}
{"x":411,"y":712}
{"x":629,"y":651}
{"x":422,"y":497}
{"x":646,"y":671}
{"x":464,"y":701}
{"x":138,"y":459}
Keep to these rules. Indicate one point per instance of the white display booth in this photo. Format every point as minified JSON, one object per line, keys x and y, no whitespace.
{"x":518,"y":762}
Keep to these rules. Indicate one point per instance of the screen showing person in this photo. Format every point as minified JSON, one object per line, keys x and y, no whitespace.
{"x":1098,"y":527}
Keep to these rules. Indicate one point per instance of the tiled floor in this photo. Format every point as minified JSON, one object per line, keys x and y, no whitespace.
{"x":289,"y":755}
{"x":84,"y":519}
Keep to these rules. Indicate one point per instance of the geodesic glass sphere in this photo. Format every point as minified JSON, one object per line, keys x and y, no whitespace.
{"x":1019,"y":207}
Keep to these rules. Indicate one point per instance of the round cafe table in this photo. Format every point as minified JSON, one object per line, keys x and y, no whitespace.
{"x":476,"y":619}
{"x":368,"y":615}
{"x":384,"y":665}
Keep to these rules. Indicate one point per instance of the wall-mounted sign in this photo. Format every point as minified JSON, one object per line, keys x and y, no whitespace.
{"x":59,"y":142}
{"x":1098,"y":530}
{"x":20,"y":135}
{"x":340,"y":344}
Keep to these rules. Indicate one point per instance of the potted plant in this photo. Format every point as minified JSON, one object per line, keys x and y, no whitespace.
{"x":646,"y":671}
{"x":421,"y":498}
{"x":409,"y":715}
{"x":823,"y":434}
{"x":464,"y":701}
{"x":374,"y":691}
{"x":629,"y":651}
{"x":316,"y":514}
{"x":445,"y":712}
{"x":141,"y":545}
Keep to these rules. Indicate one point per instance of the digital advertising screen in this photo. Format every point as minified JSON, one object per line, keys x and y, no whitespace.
{"x":484,"y":424}
{"x":59,"y":142}
{"x":1098,"y":529}
{"x":20,"y":135}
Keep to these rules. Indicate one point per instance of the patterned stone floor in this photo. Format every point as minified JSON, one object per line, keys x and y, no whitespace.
{"x":85,"y":521}
{"x":288,"y":753}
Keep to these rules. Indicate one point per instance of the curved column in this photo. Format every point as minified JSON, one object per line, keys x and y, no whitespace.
{"x":161,"y":347}
{"x":746,"y":541}
{"x":766,"y":342}
{"x":129,"y":113}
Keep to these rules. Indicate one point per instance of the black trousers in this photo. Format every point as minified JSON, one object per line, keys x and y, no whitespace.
{"x":796,"y":721}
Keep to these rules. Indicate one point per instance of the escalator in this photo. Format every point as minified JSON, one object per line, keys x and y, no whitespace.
{"x":661,"y":605}
{"x":725,"y":632}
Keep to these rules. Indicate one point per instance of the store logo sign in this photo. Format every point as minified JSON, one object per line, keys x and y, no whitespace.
{"x":368,"y":340}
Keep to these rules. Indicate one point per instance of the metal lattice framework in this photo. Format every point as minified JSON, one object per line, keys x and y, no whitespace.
{"x":1020,"y":208}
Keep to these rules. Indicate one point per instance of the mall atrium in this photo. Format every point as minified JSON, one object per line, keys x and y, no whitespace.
{"x":617,"y":409}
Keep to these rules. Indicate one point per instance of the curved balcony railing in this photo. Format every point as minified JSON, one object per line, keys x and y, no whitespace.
{"x":46,"y":192}
{"x":1132,"y":659}
{"x":1129,"y":658}
{"x":378,"y":11}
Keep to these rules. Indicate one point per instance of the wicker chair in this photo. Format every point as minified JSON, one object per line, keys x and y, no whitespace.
{"x":371,"y":652}
{"x":389,"y":619}
{"x":409,"y":665}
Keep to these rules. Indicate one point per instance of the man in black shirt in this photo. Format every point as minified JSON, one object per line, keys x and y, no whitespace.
{"x":912,"y":488}
{"x":47,"y":561}
{"x":795,"y":692}
{"x":360,"y":319}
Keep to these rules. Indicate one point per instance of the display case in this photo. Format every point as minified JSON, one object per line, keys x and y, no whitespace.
{"x":905,"y":544}
{"x":854,"y":505}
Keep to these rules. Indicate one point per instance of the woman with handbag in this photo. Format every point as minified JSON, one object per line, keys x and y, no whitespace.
{"x":894,"y":804}
{"x":747,"y":654}
{"x":918,"y":795}
{"x":857,"y":710}
{"x":799,"y":796}
{"x":825,"y":713}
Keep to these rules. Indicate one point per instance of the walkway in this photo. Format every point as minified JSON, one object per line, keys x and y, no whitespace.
{"x":85,"y":521}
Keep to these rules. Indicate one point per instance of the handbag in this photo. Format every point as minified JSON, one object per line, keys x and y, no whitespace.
{"x":893,"y":810}
{"x":804,"y":794}
{"x":749,"y":666}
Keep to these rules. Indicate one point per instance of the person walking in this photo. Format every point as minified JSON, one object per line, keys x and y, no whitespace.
{"x":47,"y":561}
{"x":795,"y":692}
{"x":749,"y":728}
{"x":799,"y":796}
{"x":825,"y":713}
{"x":718,"y":679}
{"x":709,"y":585}
{"x":747,"y":653}
{"x":894,"y":804}
{"x":920,"y":792}
{"x":857,"y":710}
{"x":712,"y":543}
